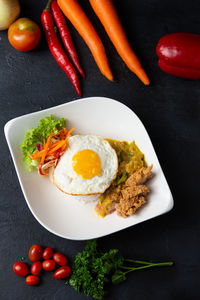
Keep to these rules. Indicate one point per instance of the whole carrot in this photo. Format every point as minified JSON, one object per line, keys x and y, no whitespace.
{"x":108,"y":16}
{"x":78,"y":18}
{"x":65,"y":35}
{"x":56,"y":49}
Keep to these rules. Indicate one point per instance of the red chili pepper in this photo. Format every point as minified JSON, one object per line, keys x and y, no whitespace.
{"x":65,"y":35}
{"x":56,"y":49}
{"x":179,"y":54}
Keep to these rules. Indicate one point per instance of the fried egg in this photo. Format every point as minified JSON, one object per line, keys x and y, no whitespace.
{"x":88,"y":166}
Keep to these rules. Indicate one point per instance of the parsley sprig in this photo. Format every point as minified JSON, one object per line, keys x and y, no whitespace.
{"x":93,"y":270}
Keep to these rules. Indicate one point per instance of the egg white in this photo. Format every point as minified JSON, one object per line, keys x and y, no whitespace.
{"x":66,"y":179}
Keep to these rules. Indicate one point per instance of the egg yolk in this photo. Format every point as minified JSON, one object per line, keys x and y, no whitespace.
{"x":87,"y":164}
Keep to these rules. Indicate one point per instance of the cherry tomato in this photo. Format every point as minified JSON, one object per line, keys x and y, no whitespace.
{"x":60,"y":259}
{"x":48,"y":265}
{"x":36,"y":268}
{"x":35,"y":252}
{"x":20,"y":269}
{"x":62,"y":272}
{"x":24,"y":34}
{"x":48,"y":253}
{"x":32,"y":280}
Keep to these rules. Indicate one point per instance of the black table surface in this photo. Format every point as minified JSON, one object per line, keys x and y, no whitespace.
{"x":169,"y":109}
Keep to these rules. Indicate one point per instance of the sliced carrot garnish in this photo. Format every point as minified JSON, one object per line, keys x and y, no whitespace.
{"x":50,"y":148}
{"x":46,"y":148}
{"x":37,"y":155}
{"x":69,"y":132}
{"x":65,"y":130}
{"x":58,"y":146}
{"x":61,"y":143}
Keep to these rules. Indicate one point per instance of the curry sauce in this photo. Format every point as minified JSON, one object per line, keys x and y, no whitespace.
{"x":130,"y":160}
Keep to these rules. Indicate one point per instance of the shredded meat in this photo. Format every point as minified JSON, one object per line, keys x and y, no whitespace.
{"x":128,"y":208}
{"x":128,"y":197}
{"x":133,"y":193}
{"x":140,"y":176}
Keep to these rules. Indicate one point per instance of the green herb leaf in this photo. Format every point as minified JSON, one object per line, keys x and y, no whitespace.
{"x":93,"y":270}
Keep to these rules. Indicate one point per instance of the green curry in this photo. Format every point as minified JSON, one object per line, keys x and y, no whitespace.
{"x":130,"y":159}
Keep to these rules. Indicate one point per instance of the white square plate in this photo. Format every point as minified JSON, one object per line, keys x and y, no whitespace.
{"x":60,"y":213}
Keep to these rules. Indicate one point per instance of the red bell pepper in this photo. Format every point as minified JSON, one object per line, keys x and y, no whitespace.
{"x":179,"y":54}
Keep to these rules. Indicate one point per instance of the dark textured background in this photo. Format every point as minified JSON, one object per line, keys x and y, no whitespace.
{"x":169,"y":109}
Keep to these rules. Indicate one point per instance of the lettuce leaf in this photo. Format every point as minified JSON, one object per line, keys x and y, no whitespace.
{"x":38,"y":135}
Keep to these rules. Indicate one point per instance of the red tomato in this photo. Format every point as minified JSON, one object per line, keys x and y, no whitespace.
{"x":49,"y":265}
{"x":35,"y":252}
{"x":36,"y":268}
{"x":32,"y":280}
{"x":20,"y":269}
{"x":62,"y":272}
{"x":60,"y":259}
{"x":48,"y":253}
{"x":24,"y":34}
